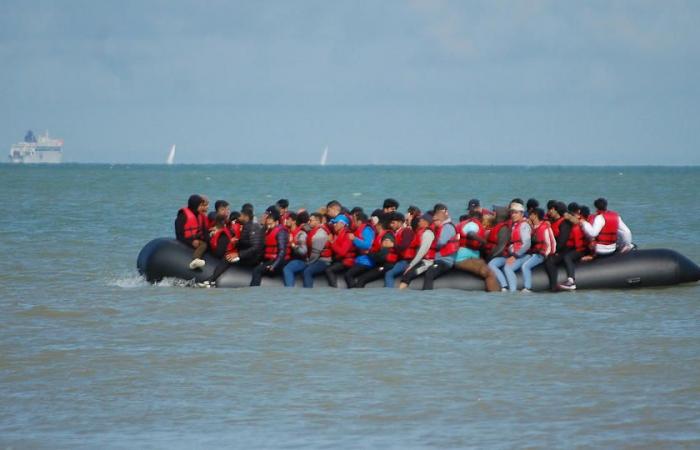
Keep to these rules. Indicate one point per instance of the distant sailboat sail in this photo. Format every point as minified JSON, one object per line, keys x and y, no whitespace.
{"x":324,"y":156}
{"x":171,"y":156}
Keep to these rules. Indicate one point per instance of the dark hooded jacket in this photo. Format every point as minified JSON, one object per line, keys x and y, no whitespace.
{"x":251,"y":244}
{"x":192,"y":204}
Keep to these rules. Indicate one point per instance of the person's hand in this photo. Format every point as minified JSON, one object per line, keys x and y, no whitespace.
{"x":268,"y":268}
{"x":586,"y":258}
{"x":232,"y":257}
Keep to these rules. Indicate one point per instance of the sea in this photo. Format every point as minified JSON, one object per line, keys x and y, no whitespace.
{"x":92,"y":356}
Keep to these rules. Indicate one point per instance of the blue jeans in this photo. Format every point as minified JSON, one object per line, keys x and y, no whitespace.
{"x":312,"y":269}
{"x":533,"y":261}
{"x":394,"y":272}
{"x":291,"y":269}
{"x":506,"y":277}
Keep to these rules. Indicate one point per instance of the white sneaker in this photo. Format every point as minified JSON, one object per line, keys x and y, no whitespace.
{"x":504,"y":289}
{"x":204,"y":284}
{"x":569,"y":285}
{"x":197,"y":264}
{"x":525,"y":291}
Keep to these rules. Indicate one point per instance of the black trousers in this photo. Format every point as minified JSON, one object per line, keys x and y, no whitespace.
{"x":354,"y":272}
{"x":569,"y":258}
{"x":372,"y":274}
{"x":332,"y":272}
{"x":261,"y":269}
{"x":438,"y":269}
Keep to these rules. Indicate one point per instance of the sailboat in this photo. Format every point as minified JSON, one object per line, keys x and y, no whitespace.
{"x":324,"y":156}
{"x":171,"y":156}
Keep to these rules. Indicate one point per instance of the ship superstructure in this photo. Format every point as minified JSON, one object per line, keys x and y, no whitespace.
{"x":41,"y":150}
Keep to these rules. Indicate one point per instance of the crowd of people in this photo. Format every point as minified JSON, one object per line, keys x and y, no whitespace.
{"x":390,"y":245}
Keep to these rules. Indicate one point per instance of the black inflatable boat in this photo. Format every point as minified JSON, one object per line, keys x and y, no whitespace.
{"x":169,"y":258}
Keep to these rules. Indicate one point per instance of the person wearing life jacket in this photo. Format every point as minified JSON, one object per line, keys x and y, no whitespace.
{"x":531,"y":205}
{"x":607,"y":230}
{"x":191,"y":228}
{"x":543,"y":244}
{"x":499,"y":235}
{"x":221,"y":241}
{"x":296,"y":224}
{"x":362,"y":238}
{"x":403,"y":236}
{"x":380,"y":254}
{"x":277,"y":251}
{"x":220,"y":207}
{"x":472,"y":239}
{"x":319,"y":249}
{"x":235,"y":224}
{"x":283,"y":207}
{"x":475,"y":205}
{"x":420,"y":248}
{"x":555,"y":216}
{"x":575,"y":248}
{"x":342,"y":250}
{"x":445,"y":246}
{"x":333,"y":208}
{"x":516,"y":252}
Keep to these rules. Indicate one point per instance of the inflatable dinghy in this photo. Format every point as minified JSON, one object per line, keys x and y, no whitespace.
{"x":169,"y":258}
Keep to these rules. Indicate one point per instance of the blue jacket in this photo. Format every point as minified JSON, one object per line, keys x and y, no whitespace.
{"x":364,"y":244}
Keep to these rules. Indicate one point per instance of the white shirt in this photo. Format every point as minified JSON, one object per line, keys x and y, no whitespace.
{"x":624,"y":235}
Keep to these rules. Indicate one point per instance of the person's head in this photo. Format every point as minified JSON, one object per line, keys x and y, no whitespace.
{"x":535,"y":216}
{"x":290,"y":220}
{"x":282,"y":205}
{"x":573,"y":208}
{"x":302,"y":218}
{"x":193,"y":202}
{"x":473,"y":204}
{"x":340,"y":222}
{"x":272,"y":217}
{"x":517,"y":211}
{"x":488,"y":221}
{"x":412,"y":211}
{"x":388,"y":240}
{"x":203,"y":205}
{"x":474,"y":214}
{"x":585,"y":211}
{"x":550,"y":204}
{"x":376,"y":216}
{"x":222,"y":207}
{"x":333,"y":208}
{"x":440,"y":212}
{"x":245,"y":216}
{"x":396,"y":220}
{"x":424,"y":221}
{"x":361,"y":217}
{"x":532,"y":204}
{"x":601,"y":204}
{"x":555,"y":211}
{"x":517,"y":200}
{"x":249,"y":207}
{"x":234,"y":216}
{"x":315,"y":220}
{"x":220,"y":220}
{"x":390,"y":205}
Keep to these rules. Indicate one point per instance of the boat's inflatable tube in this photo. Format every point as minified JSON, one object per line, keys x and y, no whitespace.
{"x":163,"y":257}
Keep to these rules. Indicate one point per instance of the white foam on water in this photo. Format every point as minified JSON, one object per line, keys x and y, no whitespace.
{"x":356,"y":194}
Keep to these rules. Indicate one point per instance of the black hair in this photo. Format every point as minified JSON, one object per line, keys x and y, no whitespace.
{"x":302,"y":218}
{"x":272,"y":208}
{"x":234,"y":216}
{"x":292,"y":215}
{"x":601,"y":204}
{"x":220,"y":219}
{"x":551,"y":204}
{"x":539,"y":212}
{"x":247,"y":212}
{"x":333,"y":203}
{"x":439,"y":207}
{"x":475,"y":214}
{"x":361,"y":217}
{"x":273,"y":213}
{"x":247,"y":207}
{"x":317,"y":215}
{"x":561,"y":208}
{"x":532,"y":204}
{"x":414,"y":210}
{"x":220,"y":204}
{"x":390,"y":203}
{"x":573,"y":207}
{"x":517,"y":200}
{"x":377,"y":213}
{"x":211,"y":216}
{"x":397,"y":216}
{"x":463,"y":217}
{"x":356,"y":209}
{"x":414,"y":222}
{"x":283,"y":203}
{"x":585,"y":211}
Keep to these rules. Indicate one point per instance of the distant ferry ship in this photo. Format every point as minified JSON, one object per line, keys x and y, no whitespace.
{"x":33,"y":150}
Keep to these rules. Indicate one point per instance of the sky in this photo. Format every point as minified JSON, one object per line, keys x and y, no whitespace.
{"x":525,"y":82}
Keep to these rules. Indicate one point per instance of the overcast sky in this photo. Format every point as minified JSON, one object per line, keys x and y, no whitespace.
{"x":379,"y":82}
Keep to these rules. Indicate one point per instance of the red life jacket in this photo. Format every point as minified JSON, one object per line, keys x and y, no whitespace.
{"x":465,"y":240}
{"x":271,"y":250}
{"x":450,"y":246}
{"x":412,"y":248}
{"x":492,"y":238}
{"x":195,"y":225}
{"x":576,"y":240}
{"x":555,"y":226}
{"x":342,"y":240}
{"x":236,"y":229}
{"x":214,"y":240}
{"x":377,"y":242}
{"x":415,"y":244}
{"x":608,"y":234}
{"x":539,"y":239}
{"x":516,"y":239}
{"x":326,"y":252}
{"x":293,"y":238}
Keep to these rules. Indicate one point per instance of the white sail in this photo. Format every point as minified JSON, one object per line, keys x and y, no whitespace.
{"x":324,"y":156}
{"x":171,"y":156}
